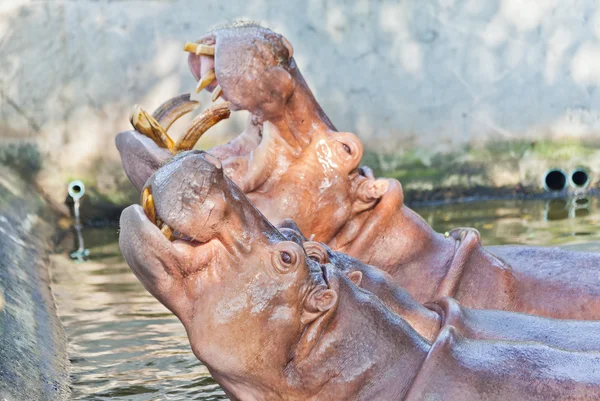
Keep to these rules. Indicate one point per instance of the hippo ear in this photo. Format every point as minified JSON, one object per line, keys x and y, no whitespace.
{"x":289,"y":224}
{"x":369,"y":192}
{"x":318,"y":302}
{"x":355,"y":276}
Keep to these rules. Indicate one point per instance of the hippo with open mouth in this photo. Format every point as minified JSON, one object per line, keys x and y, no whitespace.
{"x":291,"y":163}
{"x":272,"y":323}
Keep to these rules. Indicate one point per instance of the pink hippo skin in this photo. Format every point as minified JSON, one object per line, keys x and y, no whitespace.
{"x":272,"y":323}
{"x":291,"y":163}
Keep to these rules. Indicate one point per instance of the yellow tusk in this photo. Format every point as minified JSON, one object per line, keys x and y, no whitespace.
{"x":171,"y":110}
{"x":148,"y":205}
{"x":199,"y":49}
{"x":167,"y":231}
{"x":201,"y":124}
{"x":217,"y":93}
{"x":145,"y":124}
{"x":206,"y":80}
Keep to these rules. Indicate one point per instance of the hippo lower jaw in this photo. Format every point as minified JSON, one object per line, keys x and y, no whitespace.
{"x":175,"y":247}
{"x":158,"y":264}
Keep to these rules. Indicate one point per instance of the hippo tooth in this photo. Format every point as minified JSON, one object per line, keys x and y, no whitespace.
{"x":171,"y":110}
{"x":148,"y":205}
{"x":206,"y":80}
{"x":147,"y":125}
{"x":202,"y":123}
{"x":217,"y":93}
{"x":199,"y":49}
{"x":167,"y":232}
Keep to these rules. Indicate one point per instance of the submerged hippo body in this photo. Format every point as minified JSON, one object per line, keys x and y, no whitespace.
{"x":292,"y":163}
{"x":272,"y":323}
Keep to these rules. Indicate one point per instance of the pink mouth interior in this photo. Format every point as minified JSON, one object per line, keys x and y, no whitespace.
{"x":200,"y":66}
{"x":194,"y":64}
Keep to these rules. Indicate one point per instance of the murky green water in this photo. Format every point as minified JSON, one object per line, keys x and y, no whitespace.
{"x":572,"y":223}
{"x":125,"y":345}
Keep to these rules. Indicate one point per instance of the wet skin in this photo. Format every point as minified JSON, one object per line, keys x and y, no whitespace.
{"x":573,"y":335}
{"x":271,"y":323}
{"x":292,"y":163}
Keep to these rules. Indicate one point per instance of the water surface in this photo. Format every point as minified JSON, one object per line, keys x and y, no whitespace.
{"x":124,"y":345}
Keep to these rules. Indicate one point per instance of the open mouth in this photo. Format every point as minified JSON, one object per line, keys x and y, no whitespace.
{"x":204,"y":74}
{"x":155,"y":126}
{"x":150,"y":211}
{"x":233,"y":154}
{"x":171,"y":234}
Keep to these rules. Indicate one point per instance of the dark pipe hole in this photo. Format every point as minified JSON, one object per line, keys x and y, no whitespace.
{"x":579,"y":178}
{"x":555,"y":180}
{"x":76,"y":189}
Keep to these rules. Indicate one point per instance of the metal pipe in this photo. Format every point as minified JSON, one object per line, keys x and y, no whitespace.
{"x":579,"y":178}
{"x":555,"y":180}
{"x":76,"y":191}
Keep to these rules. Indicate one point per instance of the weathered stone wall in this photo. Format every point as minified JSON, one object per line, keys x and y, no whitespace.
{"x":33,"y":356}
{"x":412,"y":78}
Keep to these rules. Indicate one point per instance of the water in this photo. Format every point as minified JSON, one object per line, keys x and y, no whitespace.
{"x":571,"y":223}
{"x":124,"y":345}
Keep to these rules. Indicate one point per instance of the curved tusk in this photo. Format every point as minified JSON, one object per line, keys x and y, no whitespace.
{"x":148,"y":205}
{"x":145,"y":124}
{"x":171,"y":110}
{"x":201,"y":124}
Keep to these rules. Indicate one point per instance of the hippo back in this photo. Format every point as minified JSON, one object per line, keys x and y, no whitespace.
{"x":569,"y":279}
{"x":459,"y":369}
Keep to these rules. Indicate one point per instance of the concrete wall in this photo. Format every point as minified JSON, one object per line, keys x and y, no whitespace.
{"x":33,"y":357}
{"x":413,"y":75}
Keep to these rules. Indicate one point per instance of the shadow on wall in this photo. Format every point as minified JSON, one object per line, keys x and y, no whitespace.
{"x":410,"y":78}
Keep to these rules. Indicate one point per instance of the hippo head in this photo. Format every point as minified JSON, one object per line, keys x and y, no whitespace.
{"x":252,"y":65}
{"x":289,"y":160}
{"x":230,"y":277}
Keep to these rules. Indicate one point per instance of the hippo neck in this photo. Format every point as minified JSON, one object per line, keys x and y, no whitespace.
{"x":397,"y":240}
{"x":303,"y":115}
{"x":352,"y":352}
{"x":424,"y":320}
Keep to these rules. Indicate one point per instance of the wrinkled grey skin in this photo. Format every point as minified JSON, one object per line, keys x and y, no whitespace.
{"x":270,"y":323}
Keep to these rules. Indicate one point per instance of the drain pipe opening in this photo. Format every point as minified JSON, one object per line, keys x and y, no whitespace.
{"x":555,"y":180}
{"x":579,"y":178}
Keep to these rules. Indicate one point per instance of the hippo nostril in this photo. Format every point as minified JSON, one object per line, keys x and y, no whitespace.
{"x":213,"y":160}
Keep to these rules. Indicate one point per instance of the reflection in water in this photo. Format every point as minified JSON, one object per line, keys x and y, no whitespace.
{"x":76,"y":192}
{"x":561,"y":209}
{"x":557,"y":209}
{"x":124,"y":345}
{"x":571,"y":222}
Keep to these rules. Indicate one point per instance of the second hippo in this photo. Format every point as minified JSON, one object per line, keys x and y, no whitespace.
{"x":271,"y":323}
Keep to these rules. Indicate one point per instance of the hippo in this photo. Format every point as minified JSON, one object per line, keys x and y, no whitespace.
{"x":574,"y":335}
{"x":291,"y":163}
{"x":290,"y":160}
{"x":272,"y":323}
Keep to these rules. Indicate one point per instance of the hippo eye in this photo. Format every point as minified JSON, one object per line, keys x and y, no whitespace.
{"x":286,"y":257}
{"x":347,"y":148}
